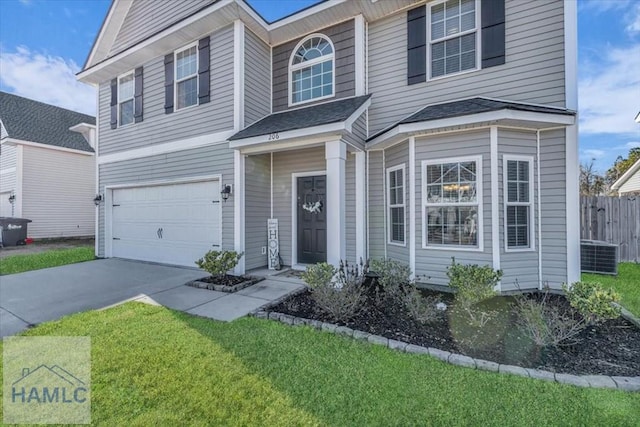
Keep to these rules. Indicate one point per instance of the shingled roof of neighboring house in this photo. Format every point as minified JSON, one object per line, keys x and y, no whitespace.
{"x":470,"y":106}
{"x":33,"y":121}
{"x":314,"y":115}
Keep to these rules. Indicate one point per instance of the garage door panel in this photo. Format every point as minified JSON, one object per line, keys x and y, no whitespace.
{"x":174,"y":224}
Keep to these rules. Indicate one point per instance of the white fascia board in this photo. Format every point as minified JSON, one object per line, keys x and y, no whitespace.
{"x":82,"y":127}
{"x":310,"y":132}
{"x":13,"y":141}
{"x":168,"y":147}
{"x":305,"y":13}
{"x":625,"y":176}
{"x":492,"y":117}
{"x":356,"y":114}
{"x":152,"y":47}
{"x":110,"y":29}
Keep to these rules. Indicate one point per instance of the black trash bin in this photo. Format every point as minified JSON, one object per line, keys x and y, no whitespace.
{"x":14,"y":231}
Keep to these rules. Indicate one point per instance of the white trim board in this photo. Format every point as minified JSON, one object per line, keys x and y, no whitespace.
{"x":168,"y":147}
{"x":13,"y":141}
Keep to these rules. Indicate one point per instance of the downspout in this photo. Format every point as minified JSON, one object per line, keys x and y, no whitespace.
{"x":367,"y":203}
{"x":539,"y":210}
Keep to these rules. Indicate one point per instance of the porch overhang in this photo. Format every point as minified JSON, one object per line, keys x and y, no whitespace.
{"x":472,"y":113}
{"x":301,"y":128}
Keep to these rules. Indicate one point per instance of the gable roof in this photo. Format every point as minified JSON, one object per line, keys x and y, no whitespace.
{"x":28,"y":120}
{"x":625,"y":176}
{"x":306,"y":117}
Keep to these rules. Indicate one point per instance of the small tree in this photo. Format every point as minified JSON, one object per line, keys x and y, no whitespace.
{"x":218,"y":263}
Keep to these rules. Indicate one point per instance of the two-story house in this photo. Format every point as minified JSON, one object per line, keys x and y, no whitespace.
{"x":413,"y":130}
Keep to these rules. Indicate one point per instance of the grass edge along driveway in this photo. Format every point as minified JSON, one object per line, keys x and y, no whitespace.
{"x":152,"y":365}
{"x":53,"y":258}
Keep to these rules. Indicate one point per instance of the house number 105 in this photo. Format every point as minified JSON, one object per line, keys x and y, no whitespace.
{"x":274,"y":136}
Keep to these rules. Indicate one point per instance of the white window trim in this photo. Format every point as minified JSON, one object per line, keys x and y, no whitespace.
{"x":310,"y":63}
{"x":479,"y":203}
{"x":403,"y":205}
{"x":175,"y":76}
{"x":532,"y":218}
{"x":133,"y":98}
{"x":477,"y":30}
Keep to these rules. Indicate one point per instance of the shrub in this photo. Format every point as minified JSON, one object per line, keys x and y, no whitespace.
{"x":218,"y":263}
{"x":339,"y":293}
{"x":397,"y":288}
{"x":473,"y":284}
{"x":592,"y":301}
{"x":545,"y":324}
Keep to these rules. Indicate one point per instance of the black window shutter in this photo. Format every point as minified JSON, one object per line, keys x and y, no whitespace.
{"x":203,"y":70}
{"x":493,"y":33}
{"x":168,"y":83}
{"x":114,"y":103}
{"x":417,"y":45}
{"x":138,"y":95}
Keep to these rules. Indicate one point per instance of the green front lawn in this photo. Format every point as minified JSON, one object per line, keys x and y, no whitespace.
{"x":21,"y":263}
{"x":155,"y":366}
{"x":627,"y":283}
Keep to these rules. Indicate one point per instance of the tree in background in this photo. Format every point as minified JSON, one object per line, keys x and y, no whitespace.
{"x":591,"y":184}
{"x":621,"y":165}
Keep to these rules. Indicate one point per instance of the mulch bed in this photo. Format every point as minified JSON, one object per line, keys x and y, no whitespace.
{"x":226,"y":283}
{"x":610,"y":348}
{"x":226,"y":280}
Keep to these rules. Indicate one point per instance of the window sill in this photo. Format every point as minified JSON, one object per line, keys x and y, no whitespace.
{"x":399,"y":244}
{"x":453,"y":248}
{"x":446,"y":76}
{"x":298,"y":104}
{"x":523,"y":250}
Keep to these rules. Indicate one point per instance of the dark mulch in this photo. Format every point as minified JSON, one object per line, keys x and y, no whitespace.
{"x":610,"y":348}
{"x":226,"y":280}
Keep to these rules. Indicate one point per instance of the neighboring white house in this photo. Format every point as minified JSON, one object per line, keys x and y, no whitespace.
{"x":47,"y":167}
{"x":629,"y":182}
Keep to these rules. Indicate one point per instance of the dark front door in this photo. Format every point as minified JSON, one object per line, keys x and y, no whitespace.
{"x":312,"y":219}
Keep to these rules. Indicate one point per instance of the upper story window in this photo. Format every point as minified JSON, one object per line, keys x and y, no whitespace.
{"x":452,"y":203}
{"x":453,"y":37}
{"x":186,"y":77}
{"x":312,"y":70}
{"x":126,"y":99}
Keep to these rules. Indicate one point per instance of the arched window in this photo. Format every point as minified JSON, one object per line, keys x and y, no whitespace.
{"x":311,"y":70}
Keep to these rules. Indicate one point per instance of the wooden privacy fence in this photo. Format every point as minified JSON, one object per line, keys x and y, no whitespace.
{"x":613,"y":220}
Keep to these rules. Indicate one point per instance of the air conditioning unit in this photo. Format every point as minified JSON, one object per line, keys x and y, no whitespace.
{"x":598,"y":257}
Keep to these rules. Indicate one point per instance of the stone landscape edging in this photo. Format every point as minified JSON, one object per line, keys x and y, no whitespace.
{"x":200,"y":284}
{"x":592,"y":381}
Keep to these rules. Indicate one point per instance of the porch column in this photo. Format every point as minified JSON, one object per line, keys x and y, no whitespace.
{"x":361,"y":216}
{"x":335,"y":155}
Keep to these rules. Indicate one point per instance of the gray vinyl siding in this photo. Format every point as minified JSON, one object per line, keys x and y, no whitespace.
{"x":350,"y":207}
{"x":257,"y":208}
{"x":7,"y":160}
{"x":533,"y":72}
{"x":257,"y":92}
{"x":342,"y":37}
{"x":211,"y":160}
{"x":432,"y":263}
{"x":158,"y":127}
{"x":553,"y":193}
{"x":284,"y":165}
{"x":375,"y":193}
{"x":358,"y":135}
{"x":396,"y":156}
{"x":520,"y":268}
{"x":147,"y":17}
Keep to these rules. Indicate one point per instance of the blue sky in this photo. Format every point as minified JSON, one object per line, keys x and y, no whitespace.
{"x":43,"y":43}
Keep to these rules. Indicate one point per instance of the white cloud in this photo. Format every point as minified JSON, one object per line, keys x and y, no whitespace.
{"x":590,"y":154}
{"x":628,"y":145}
{"x":46,"y":78}
{"x":25,"y":2}
{"x":633,"y":27}
{"x":609,"y":93}
{"x":602,"y":5}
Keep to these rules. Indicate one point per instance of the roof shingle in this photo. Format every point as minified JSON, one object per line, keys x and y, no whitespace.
{"x":29,"y":120}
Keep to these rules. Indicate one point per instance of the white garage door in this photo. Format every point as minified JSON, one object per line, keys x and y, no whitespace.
{"x":5,"y":205}
{"x":172,"y":224}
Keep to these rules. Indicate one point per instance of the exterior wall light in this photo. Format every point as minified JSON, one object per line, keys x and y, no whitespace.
{"x":226,"y":192}
{"x":97,"y":199}
{"x":12,"y":198}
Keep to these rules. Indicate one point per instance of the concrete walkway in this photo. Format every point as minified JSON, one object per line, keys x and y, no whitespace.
{"x":43,"y":295}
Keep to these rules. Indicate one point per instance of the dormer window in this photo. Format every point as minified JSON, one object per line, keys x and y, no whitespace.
{"x":312,"y":70}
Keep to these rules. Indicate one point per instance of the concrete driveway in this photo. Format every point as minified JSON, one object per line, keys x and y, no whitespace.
{"x":43,"y":295}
